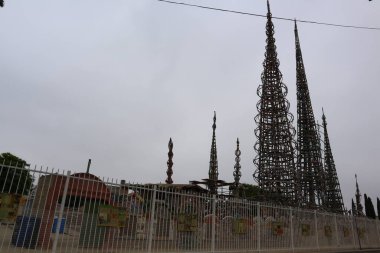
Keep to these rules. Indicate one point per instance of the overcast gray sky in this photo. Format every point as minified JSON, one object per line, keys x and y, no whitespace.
{"x":114,"y":80}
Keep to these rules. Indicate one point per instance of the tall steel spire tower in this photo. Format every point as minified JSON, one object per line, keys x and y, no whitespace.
{"x":359,"y":207}
{"x":237,"y":172}
{"x":169,"y":171}
{"x":310,"y":177}
{"x":213,"y":169}
{"x":333,"y":195}
{"x":275,"y":171}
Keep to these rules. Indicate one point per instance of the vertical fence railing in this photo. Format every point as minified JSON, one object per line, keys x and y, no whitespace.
{"x":152,"y":218}
{"x":78,"y":212}
{"x":258,"y":227}
{"x":213,"y":224}
{"x":291,"y":228}
{"x":59,"y":221}
{"x":336,"y":231}
{"x":316,"y":229}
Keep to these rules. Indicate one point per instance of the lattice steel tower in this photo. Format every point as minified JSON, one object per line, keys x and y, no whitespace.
{"x":169,"y":171}
{"x":213,"y":169}
{"x":275,"y":171}
{"x":333,"y":194}
{"x":310,"y":175}
{"x":237,"y":170}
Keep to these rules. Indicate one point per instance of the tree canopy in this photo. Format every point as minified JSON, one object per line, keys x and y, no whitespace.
{"x":369,"y":208}
{"x":249,"y":191}
{"x":14,"y":176}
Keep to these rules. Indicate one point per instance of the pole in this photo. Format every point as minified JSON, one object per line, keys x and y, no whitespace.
{"x":258,"y":227}
{"x":213,"y":223}
{"x":336,"y":231}
{"x":357,"y":232}
{"x":316,"y":228}
{"x":55,"y":242}
{"x":88,"y":166}
{"x":291,"y":229}
{"x":353,"y":231}
{"x":151,"y":223}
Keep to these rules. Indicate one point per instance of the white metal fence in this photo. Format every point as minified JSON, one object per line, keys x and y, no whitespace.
{"x":57,"y":211}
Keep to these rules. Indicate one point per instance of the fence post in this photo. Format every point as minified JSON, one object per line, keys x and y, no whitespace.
{"x":213,"y":223}
{"x":151,"y":221}
{"x":258,"y":227}
{"x":291,"y":228}
{"x":336,"y":231}
{"x":316,"y":228}
{"x":377,"y":231}
{"x":61,"y":209}
{"x":353,"y":231}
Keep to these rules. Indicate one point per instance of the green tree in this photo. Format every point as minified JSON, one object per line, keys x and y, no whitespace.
{"x":353,"y":207}
{"x":14,"y":176}
{"x":378,"y":208}
{"x":366,"y":208}
{"x":371,"y":208}
{"x":249,"y":191}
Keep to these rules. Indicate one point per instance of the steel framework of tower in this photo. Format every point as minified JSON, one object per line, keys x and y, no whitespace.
{"x":333,"y":194}
{"x":213,"y":169}
{"x":275,"y":171}
{"x":237,"y":172}
{"x":212,"y":182}
{"x":169,"y":171}
{"x":310,"y":174}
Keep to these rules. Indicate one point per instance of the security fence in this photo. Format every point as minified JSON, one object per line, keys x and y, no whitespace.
{"x":57,"y":211}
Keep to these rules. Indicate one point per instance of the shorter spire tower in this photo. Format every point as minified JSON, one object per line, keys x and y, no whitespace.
{"x":213,"y":169}
{"x":358,"y":199}
{"x":169,"y":171}
{"x":310,"y":178}
{"x":333,"y":195}
{"x":237,"y":172}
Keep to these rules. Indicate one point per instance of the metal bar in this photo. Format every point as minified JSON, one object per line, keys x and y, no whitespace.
{"x":336,"y":231}
{"x":291,"y":228}
{"x":213,"y":223}
{"x":258,"y":227}
{"x":316,"y":228}
{"x":151,"y":221}
{"x":54,"y":249}
{"x":353,"y":231}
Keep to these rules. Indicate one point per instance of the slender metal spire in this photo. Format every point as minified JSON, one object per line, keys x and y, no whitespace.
{"x":275,"y":172}
{"x":358,"y":196}
{"x":310,"y":175}
{"x":213,"y":169}
{"x":333,"y":194}
{"x":169,"y":171}
{"x":237,"y":172}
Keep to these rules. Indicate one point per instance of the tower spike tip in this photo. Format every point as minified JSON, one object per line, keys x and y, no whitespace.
{"x":323,"y":117}
{"x":268,"y":6}
{"x":214,"y":120}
